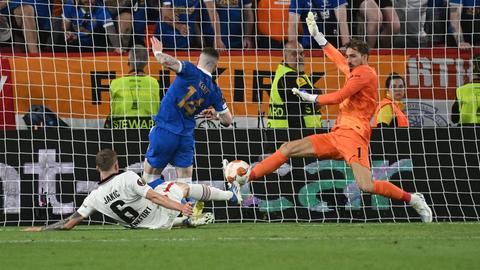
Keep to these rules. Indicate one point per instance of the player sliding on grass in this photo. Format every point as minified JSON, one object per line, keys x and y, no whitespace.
{"x":127,"y":198}
{"x":350,"y":137}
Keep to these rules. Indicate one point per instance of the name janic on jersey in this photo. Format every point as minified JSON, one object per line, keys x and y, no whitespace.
{"x":112,"y":196}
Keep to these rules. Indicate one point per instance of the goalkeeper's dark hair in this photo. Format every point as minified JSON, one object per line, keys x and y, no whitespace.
{"x":358,"y":45}
{"x":105,"y":159}
{"x":211,"y":52}
{"x":137,"y":58}
{"x":393,"y":76}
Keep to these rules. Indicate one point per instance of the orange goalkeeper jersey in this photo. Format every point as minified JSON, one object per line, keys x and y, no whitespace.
{"x":357,"y":98}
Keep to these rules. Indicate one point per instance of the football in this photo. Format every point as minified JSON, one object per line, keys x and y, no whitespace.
{"x":234,"y":168}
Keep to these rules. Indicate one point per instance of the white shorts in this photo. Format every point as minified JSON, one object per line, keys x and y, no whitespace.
{"x":175,"y":193}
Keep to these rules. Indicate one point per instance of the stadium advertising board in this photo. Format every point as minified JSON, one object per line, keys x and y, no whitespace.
{"x":7,"y":111}
{"x":77,"y":88}
{"x":47,"y":173}
{"x":429,"y":112}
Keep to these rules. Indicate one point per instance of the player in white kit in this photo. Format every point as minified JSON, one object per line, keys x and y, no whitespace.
{"x":127,"y":198}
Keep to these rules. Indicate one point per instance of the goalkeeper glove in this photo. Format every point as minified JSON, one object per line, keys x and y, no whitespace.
{"x":313,"y":29}
{"x":304,"y":95}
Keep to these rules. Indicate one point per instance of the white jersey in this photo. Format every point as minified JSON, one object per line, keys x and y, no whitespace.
{"x":122,"y":197}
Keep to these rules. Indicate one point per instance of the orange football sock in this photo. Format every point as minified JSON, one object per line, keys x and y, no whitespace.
{"x":389,"y":190}
{"x":268,"y":165}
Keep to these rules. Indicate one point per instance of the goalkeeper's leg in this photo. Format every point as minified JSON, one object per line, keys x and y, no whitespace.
{"x":363,"y":177}
{"x":297,"y":148}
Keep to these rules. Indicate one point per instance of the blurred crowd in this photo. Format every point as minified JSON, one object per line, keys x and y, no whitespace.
{"x":117,"y":25}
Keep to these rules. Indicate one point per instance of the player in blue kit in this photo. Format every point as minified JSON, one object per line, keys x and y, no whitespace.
{"x":179,"y":18}
{"x":86,"y":26}
{"x":192,"y":92}
{"x":331,"y":20}
{"x":236,"y":23}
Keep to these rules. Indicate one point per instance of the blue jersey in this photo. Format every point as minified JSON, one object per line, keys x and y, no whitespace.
{"x":143,"y":15}
{"x":184,"y":11}
{"x":85,"y":22}
{"x":325,"y":11}
{"x":470,"y":8}
{"x":231,"y":21}
{"x":13,"y":4}
{"x":43,"y":11}
{"x":191,"y":92}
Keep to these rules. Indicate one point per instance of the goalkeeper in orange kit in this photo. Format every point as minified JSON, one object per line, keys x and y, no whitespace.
{"x":350,"y":137}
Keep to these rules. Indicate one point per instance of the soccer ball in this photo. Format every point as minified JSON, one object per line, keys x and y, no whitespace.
{"x":235,"y":168}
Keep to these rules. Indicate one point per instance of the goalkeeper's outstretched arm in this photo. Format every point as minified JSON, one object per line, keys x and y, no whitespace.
{"x":350,"y":89}
{"x":332,"y":53}
{"x":166,"y":60}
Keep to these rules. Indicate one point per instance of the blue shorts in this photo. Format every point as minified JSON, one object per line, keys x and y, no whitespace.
{"x":166,"y":147}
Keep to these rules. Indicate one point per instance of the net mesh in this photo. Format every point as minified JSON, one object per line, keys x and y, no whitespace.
{"x":58,"y":107}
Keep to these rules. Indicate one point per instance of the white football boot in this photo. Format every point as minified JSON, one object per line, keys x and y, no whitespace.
{"x":237,"y":194}
{"x":418,"y":203}
{"x":203,"y":219}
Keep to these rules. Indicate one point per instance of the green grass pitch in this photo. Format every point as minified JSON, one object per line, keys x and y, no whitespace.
{"x":247,"y":246}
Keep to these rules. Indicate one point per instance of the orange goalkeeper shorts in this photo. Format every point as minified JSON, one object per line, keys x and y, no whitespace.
{"x":341,"y":144}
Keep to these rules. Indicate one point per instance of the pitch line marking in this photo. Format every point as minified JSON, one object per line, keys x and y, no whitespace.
{"x":31,"y":241}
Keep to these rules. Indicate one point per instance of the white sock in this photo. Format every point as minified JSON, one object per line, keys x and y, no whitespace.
{"x":185,"y":180}
{"x":413,"y":199}
{"x":208,"y":193}
{"x":150,"y":177}
{"x":178,"y":221}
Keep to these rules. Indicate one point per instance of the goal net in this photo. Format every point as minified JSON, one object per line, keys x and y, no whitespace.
{"x":58,"y":107}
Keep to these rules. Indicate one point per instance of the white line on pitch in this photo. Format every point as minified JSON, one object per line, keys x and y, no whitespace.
{"x":17,"y":241}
